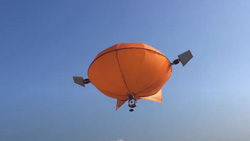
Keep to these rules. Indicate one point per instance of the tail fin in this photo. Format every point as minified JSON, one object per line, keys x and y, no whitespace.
{"x":185,"y":57}
{"x":79,"y":80}
{"x":119,"y":103}
{"x":156,"y":97}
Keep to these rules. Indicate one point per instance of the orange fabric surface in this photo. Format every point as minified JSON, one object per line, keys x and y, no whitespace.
{"x":129,"y":68}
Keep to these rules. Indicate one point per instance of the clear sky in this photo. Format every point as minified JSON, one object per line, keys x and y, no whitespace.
{"x":43,"y":43}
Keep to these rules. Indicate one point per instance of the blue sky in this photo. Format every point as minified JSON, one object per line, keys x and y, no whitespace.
{"x":44,"y":43}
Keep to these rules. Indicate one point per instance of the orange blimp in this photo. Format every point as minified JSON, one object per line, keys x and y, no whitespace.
{"x":131,"y":71}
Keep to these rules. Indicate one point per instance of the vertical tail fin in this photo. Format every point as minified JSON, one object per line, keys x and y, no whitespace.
{"x":119,"y":103}
{"x":156,"y":97}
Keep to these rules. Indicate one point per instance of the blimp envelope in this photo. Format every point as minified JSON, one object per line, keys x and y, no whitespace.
{"x":131,"y":71}
{"x":130,"y":68}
